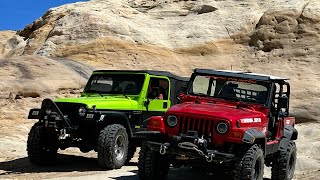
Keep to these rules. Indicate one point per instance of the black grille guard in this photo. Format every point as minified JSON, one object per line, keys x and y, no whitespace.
{"x":49,"y":104}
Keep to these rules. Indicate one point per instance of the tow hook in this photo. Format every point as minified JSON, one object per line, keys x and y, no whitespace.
{"x":163,"y":148}
{"x":63,"y":134}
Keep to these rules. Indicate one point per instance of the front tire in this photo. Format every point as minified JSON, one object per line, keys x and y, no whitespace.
{"x":42,"y":145}
{"x":251,"y":165}
{"x":283,"y":164}
{"x":113,"y":146}
{"x":152,"y":165}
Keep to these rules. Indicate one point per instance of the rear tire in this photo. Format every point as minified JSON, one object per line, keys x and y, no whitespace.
{"x":251,"y":165}
{"x":152,"y":165}
{"x":283,"y":164}
{"x":42,"y":145}
{"x":113,"y":146}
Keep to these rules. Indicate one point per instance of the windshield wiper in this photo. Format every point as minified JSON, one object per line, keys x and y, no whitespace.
{"x":242,"y":105}
{"x":123,"y":93}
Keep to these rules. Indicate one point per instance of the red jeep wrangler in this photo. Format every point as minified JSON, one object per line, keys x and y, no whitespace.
{"x":237,"y":121}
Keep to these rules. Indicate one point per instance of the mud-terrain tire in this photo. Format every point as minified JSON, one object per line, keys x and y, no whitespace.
{"x":283,"y":164}
{"x":42,"y":145}
{"x":113,"y":146}
{"x":251,"y":165}
{"x":131,"y":151}
{"x":152,"y":165}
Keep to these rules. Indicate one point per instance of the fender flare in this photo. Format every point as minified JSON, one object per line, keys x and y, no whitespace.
{"x":114,"y":117}
{"x":290,"y":132}
{"x":253,"y":136}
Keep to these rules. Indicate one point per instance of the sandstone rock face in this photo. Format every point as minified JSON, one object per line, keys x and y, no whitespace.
{"x":4,"y":37}
{"x":35,"y":76}
{"x":275,"y":37}
{"x":171,"y":24}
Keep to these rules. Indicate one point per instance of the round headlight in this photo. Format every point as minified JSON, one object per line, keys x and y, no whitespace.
{"x":222,"y":127}
{"x":82,"y":111}
{"x":172,"y":120}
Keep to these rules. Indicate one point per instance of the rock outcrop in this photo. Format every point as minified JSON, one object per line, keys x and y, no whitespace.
{"x":35,"y":76}
{"x":276,"y":37}
{"x":53,"y":56}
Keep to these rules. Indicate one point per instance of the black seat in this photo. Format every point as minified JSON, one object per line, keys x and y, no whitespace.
{"x":262,"y":97}
{"x":228,"y":91}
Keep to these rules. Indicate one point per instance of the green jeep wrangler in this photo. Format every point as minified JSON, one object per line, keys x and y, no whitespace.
{"x":114,"y":106}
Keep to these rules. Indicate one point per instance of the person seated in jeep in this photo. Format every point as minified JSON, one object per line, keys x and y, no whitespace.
{"x":164,"y":88}
{"x":154,"y":91}
{"x":228,"y":90}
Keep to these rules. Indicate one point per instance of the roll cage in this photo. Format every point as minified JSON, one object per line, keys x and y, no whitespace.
{"x":278,"y":91}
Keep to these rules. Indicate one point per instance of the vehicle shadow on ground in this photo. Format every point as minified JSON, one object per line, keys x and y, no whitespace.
{"x":70,"y":163}
{"x":64,"y":163}
{"x":185,"y":174}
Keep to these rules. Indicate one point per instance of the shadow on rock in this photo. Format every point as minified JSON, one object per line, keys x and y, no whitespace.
{"x":64,"y":163}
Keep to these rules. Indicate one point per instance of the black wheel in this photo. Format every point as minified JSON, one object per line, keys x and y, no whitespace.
{"x":131,"y":151}
{"x":42,"y":145}
{"x":251,"y":165}
{"x":113,"y":146}
{"x":152,"y":165}
{"x":284,"y":163}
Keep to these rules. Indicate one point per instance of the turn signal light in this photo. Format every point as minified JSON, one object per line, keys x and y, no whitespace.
{"x":156,"y":123}
{"x":236,"y":134}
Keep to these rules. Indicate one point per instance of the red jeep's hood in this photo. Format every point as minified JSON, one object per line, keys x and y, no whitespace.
{"x":218,"y":110}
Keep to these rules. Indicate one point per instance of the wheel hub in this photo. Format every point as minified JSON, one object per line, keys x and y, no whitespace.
{"x":119,"y":147}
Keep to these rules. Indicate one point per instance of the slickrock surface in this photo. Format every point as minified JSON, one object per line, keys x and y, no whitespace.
{"x":53,"y":57}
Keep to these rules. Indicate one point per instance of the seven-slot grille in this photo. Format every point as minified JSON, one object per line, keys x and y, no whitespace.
{"x":204,"y":126}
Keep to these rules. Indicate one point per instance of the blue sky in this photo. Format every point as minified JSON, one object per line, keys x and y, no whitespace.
{"x":16,"y":14}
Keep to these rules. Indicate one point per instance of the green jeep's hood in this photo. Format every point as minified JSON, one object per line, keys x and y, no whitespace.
{"x":107,"y":102}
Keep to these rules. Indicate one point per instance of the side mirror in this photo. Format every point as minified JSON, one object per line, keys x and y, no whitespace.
{"x":180,"y":97}
{"x":146,"y":104}
{"x":283,"y":102}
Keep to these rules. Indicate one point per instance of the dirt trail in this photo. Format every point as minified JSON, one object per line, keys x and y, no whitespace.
{"x":72,"y":164}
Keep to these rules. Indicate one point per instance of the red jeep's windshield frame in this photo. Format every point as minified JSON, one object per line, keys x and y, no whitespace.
{"x":230,"y":88}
